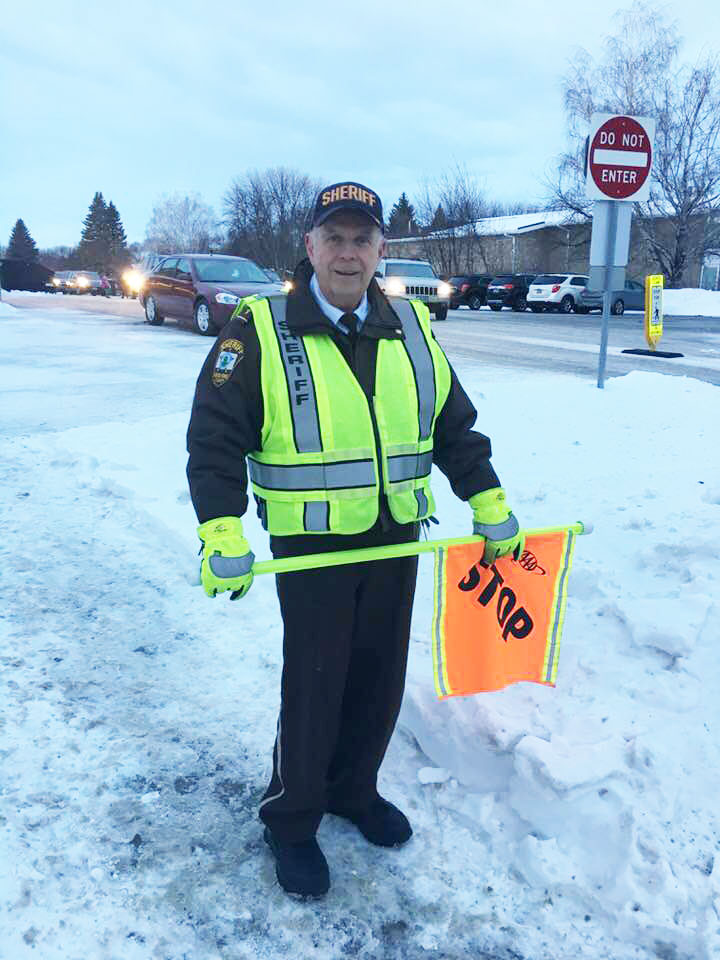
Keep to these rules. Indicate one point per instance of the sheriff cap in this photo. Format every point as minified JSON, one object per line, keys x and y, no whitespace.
{"x":347,"y":196}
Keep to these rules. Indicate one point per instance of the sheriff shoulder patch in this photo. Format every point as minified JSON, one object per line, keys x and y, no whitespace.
{"x":228,"y":355}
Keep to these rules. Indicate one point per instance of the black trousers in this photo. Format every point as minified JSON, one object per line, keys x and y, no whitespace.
{"x":346,"y":632}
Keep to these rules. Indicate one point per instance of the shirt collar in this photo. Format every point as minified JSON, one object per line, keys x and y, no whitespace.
{"x":334,"y":313}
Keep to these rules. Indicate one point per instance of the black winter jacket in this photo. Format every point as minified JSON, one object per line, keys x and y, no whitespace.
{"x":226,"y":421}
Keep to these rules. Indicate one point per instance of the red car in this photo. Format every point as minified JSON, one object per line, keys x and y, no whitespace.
{"x":202,"y":288}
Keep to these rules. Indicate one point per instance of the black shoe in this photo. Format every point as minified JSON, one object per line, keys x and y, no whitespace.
{"x":301,"y":868}
{"x":382,"y":823}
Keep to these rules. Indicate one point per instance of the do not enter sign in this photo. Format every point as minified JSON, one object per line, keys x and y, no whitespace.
{"x":620,"y":157}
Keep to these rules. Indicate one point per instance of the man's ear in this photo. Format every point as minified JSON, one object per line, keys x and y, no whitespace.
{"x":309,"y":245}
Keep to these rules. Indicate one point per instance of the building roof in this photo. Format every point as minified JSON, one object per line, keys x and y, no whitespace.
{"x":506,"y":226}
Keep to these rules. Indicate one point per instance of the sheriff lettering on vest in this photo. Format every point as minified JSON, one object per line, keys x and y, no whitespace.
{"x":337,"y":401}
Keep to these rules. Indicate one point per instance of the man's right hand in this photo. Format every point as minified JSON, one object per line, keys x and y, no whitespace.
{"x":226,"y":557}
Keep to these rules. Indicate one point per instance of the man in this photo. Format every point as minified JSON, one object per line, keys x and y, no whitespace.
{"x":338,"y":401}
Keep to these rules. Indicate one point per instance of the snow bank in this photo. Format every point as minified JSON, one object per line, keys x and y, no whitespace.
{"x":6,"y":310}
{"x":692,"y":302}
{"x":599,"y":792}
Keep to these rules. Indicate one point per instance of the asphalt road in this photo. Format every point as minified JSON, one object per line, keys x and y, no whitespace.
{"x":523,"y":341}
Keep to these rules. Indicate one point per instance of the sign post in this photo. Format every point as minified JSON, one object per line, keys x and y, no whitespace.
{"x":618,"y":165}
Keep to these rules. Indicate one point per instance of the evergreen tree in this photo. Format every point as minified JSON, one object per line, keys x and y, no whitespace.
{"x":21,"y":244}
{"x":439,"y":220}
{"x":117,"y":239}
{"x":94,"y":247}
{"x":402,"y":218}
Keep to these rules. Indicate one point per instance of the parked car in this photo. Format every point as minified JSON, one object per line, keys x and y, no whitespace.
{"x":557,"y":291}
{"x":58,"y":281}
{"x":631,"y":298}
{"x":414,"y":280}
{"x":509,"y":290}
{"x":469,"y":289}
{"x":202,"y":288}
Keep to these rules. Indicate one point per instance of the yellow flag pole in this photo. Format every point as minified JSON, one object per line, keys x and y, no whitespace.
{"x":313,"y":561}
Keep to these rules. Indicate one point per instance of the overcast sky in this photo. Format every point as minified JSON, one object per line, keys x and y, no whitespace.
{"x":138,"y":104}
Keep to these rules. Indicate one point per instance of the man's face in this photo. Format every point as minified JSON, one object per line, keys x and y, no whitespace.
{"x":345,"y":252}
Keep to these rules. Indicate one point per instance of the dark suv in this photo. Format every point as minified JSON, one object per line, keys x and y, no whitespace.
{"x":469,"y":289}
{"x":509,"y":290}
{"x":203,"y":289}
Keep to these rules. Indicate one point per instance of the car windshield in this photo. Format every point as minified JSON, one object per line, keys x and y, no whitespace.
{"x":501,"y":280}
{"x":409,"y":270}
{"x":549,"y":278}
{"x":221,"y":270}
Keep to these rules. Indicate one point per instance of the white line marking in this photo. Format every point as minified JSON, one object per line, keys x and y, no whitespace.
{"x":620,"y":158}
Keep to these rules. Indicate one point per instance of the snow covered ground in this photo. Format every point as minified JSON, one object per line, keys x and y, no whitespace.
{"x":139,"y":716}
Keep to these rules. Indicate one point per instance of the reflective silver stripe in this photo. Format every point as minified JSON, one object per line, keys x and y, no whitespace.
{"x":422,"y":362}
{"x":277,"y":763}
{"x":312,"y":476}
{"x":437,"y":639}
{"x":409,"y":466}
{"x":301,"y":389}
{"x":231,"y":566}
{"x":422,"y":503}
{"x":497,"y":531}
{"x":559,"y":607}
{"x":316,"y":516}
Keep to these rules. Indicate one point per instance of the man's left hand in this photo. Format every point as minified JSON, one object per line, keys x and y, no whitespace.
{"x":494,"y":520}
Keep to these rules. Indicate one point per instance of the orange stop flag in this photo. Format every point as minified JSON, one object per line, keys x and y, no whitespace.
{"x":498,"y":624}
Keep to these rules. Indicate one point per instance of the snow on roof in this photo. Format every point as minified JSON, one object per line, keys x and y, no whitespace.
{"x":516,"y":224}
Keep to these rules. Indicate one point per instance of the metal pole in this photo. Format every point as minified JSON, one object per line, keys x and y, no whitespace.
{"x":607,"y":293}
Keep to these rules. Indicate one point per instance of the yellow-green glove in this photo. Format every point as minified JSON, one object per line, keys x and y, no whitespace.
{"x":226,"y":557}
{"x":494,"y":520}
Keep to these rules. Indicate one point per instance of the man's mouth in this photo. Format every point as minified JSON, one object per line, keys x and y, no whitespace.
{"x":348,"y":273}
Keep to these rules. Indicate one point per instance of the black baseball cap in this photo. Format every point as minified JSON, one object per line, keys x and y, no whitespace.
{"x":347,"y":196}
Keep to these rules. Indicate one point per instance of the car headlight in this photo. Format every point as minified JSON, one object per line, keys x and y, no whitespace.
{"x":395,"y":287}
{"x":288,"y":285}
{"x":228,"y":298}
{"x":444,"y":290}
{"x":134,"y":280}
{"x":83,"y":282}
{"x":55,"y":282}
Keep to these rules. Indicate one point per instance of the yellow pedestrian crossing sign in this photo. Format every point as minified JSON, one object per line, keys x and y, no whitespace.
{"x":653,"y":309}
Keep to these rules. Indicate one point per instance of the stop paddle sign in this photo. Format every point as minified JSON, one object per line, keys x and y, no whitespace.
{"x":620,"y":157}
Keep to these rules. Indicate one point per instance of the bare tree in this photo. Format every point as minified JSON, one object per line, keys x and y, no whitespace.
{"x":267,"y":214}
{"x":640,"y":74}
{"x":454,"y":203}
{"x":182,"y":224}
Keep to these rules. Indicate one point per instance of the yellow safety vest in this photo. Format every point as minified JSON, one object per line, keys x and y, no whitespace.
{"x":320,"y":468}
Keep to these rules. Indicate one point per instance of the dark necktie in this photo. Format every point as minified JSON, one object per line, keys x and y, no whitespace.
{"x":351,"y":322}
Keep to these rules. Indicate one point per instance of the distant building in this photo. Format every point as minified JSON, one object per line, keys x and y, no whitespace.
{"x":549,"y":241}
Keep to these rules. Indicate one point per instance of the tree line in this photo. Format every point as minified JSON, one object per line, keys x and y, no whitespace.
{"x":103,"y":245}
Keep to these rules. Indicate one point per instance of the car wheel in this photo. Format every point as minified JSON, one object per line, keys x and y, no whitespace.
{"x":152,"y":313}
{"x":618,"y":308}
{"x":536,"y":307}
{"x":475,"y":301}
{"x":441,"y":313}
{"x":203,"y":318}
{"x":495,"y":307}
{"x":566,"y":304}
{"x":581,"y":309}
{"x":521,"y":304}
